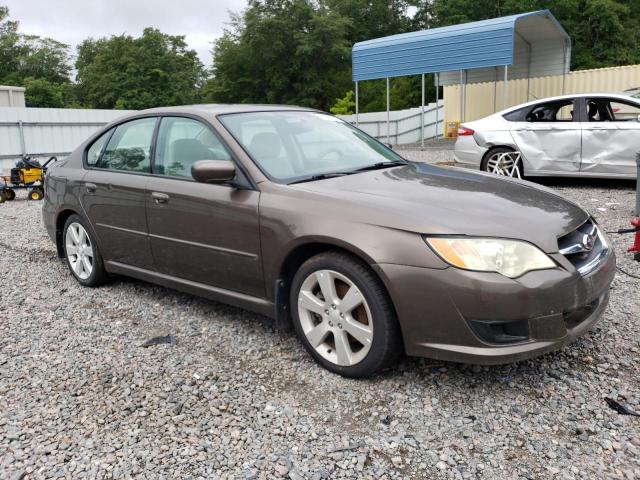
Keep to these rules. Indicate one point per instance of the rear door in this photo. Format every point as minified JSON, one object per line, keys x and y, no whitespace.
{"x":548,"y":136}
{"x":610,"y":136}
{"x":201,"y":232}
{"x":118,"y":166}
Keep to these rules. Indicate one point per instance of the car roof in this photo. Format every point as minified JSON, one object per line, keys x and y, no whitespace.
{"x":219,"y":109}
{"x":569,"y":96}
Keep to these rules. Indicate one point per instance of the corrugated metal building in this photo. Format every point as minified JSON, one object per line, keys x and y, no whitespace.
{"x":43,"y":132}
{"x":11,"y":96}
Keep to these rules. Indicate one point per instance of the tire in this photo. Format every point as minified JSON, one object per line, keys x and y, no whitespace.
{"x":10,"y":194}
{"x":79,"y":254}
{"x":330,"y":324}
{"x":485,"y":166}
{"x":36,"y":194}
{"x":2,"y":197}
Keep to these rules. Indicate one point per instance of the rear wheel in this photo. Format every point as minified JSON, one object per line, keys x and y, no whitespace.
{"x":82,"y":254}
{"x":343,"y":315}
{"x":10,"y":194}
{"x":2,"y":197}
{"x":502,"y":161}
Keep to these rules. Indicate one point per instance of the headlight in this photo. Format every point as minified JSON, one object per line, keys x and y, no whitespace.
{"x":511,"y":258}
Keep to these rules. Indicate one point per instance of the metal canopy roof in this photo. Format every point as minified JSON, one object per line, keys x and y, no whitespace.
{"x":534,"y":43}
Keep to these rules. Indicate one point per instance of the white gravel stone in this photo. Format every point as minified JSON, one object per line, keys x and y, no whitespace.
{"x":234,"y":398}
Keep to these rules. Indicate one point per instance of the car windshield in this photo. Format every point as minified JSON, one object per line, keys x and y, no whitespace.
{"x":291,"y":146}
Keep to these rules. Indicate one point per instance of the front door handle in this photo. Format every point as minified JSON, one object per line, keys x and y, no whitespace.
{"x":160,"y":197}
{"x":91,"y":187}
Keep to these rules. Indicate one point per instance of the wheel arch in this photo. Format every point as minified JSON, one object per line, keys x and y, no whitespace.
{"x":299,"y":254}
{"x":61,"y":219}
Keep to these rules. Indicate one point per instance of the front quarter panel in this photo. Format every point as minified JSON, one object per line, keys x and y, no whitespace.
{"x":288,"y":223}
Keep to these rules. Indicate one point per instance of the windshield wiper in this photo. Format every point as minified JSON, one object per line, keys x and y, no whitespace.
{"x":375,"y":166}
{"x":321,"y":176}
{"x":379,"y":165}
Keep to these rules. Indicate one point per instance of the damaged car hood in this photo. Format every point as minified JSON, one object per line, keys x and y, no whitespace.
{"x":433,"y":200}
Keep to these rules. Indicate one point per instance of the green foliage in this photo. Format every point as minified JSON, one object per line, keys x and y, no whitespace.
{"x":282,"y":51}
{"x":40,"y":64}
{"x":44,"y":93}
{"x":134,"y":73}
{"x":604,"y":32}
{"x":344,"y":105}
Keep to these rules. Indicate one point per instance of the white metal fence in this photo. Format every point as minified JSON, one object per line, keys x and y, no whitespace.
{"x":43,"y":132}
{"x":404,"y":125}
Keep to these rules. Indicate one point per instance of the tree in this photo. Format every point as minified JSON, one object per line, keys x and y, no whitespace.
{"x":135,"y":73}
{"x":373,"y":18}
{"x":39,"y":64}
{"x":344,"y":105}
{"x":282,"y":51}
{"x":43,"y":93}
{"x":604,"y":32}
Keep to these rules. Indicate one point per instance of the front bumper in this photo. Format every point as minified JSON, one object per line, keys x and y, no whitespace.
{"x":439,"y":309}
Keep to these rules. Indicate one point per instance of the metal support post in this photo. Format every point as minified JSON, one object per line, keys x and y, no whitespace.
{"x":388,"y":108}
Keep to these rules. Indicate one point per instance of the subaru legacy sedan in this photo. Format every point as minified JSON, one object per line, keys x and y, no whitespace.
{"x":581,"y":135}
{"x":297,"y":215}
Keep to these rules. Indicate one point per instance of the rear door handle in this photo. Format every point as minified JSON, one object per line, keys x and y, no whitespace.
{"x":91,"y":187}
{"x":160,"y":197}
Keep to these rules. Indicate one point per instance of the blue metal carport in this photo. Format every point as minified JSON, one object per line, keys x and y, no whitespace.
{"x":532,"y":44}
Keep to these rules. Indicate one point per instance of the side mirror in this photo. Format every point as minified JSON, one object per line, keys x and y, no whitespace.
{"x":213,"y":171}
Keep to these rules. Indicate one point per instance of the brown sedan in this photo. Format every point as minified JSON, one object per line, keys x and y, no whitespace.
{"x":297,"y":215}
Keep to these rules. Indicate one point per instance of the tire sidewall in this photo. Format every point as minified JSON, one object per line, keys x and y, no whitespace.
{"x":98,"y":266}
{"x":375,"y":356}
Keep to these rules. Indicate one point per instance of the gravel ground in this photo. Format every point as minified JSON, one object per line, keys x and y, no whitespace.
{"x":234,"y":398}
{"x":434,"y":151}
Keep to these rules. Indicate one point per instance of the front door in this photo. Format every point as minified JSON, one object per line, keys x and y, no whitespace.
{"x":114,"y":191}
{"x":610,"y":137}
{"x":549,"y":138}
{"x":201,"y":232}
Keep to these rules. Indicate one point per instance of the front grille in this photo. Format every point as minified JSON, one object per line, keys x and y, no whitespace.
{"x":585,"y":247}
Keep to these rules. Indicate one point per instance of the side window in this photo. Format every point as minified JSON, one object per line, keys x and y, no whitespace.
{"x":182,"y":142}
{"x":560,"y":111}
{"x":516,"y":115}
{"x":96,"y":148}
{"x":129,"y":148}
{"x":624,"y":111}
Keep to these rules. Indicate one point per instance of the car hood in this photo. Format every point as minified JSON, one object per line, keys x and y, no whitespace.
{"x":434,"y":200}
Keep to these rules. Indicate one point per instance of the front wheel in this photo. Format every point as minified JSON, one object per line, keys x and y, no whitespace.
{"x":82,"y":254}
{"x":10,"y":194}
{"x":343,"y":315}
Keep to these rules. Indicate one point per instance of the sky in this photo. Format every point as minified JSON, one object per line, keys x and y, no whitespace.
{"x":71,"y":21}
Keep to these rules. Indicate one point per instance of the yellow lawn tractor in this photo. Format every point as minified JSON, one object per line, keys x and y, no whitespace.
{"x":27,"y":174}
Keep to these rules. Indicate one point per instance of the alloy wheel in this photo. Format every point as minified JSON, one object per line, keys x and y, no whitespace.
{"x":335,"y":317}
{"x":504,"y":163}
{"x":79,"y":250}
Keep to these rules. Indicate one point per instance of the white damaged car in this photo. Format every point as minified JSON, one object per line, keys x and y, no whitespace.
{"x":590,"y":135}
